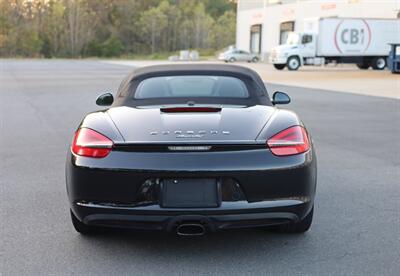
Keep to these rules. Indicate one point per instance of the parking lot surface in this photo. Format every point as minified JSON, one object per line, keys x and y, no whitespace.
{"x":356,"y":229}
{"x":339,"y":78}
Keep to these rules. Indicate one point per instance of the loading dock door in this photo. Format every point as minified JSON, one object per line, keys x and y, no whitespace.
{"x":255,"y":39}
{"x":285,"y":29}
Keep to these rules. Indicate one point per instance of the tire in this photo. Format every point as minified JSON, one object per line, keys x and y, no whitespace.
{"x":378,"y":63}
{"x":80,"y":227}
{"x":254,"y":59}
{"x":298,"y":227}
{"x":232,"y":59}
{"x":293,"y":63}
{"x":363,"y":66}
{"x":279,"y":66}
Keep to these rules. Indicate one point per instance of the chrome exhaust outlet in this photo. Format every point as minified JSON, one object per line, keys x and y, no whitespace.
{"x":190,"y":229}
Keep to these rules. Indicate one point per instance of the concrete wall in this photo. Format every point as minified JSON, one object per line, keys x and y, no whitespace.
{"x":270,"y":16}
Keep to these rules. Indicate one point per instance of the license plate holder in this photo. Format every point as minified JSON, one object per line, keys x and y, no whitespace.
{"x":189,"y":193}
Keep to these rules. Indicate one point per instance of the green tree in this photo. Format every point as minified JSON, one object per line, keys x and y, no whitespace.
{"x":29,"y":43}
{"x":216,"y":8}
{"x":224,"y":31}
{"x":202,"y":25}
{"x":54,"y":29}
{"x":81,"y":24}
{"x":154,"y":23}
{"x":5,"y":27}
{"x":73,"y":28}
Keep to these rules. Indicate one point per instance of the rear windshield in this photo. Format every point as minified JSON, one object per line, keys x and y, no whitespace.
{"x":196,"y":86}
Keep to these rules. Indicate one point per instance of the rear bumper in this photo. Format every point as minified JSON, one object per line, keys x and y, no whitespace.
{"x":228,"y":216}
{"x":278,"y":60}
{"x":276,"y":190}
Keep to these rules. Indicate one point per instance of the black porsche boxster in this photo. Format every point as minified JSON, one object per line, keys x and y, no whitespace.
{"x":191,"y":149}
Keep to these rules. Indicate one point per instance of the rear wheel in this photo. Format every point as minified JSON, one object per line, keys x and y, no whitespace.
{"x":293,"y":63}
{"x":379,"y":63}
{"x":279,"y":66}
{"x":232,"y":59}
{"x":254,"y":59}
{"x":298,"y":227}
{"x":363,"y":65}
{"x":80,"y":226}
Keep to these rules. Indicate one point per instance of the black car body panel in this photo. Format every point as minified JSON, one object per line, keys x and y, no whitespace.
{"x":164,"y":127}
{"x":254,"y":186}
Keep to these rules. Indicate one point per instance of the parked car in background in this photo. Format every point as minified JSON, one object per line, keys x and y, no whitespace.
{"x":233,"y":55}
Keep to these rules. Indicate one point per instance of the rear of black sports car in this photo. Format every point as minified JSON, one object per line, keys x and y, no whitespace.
{"x":191,"y":164}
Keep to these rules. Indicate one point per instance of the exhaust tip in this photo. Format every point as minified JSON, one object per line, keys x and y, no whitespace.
{"x":190,"y":229}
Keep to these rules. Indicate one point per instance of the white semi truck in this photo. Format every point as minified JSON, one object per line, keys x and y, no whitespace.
{"x":364,"y":42}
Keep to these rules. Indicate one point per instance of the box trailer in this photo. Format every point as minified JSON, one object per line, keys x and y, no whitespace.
{"x":361,"y":41}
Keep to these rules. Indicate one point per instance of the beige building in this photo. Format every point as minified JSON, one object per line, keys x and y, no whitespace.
{"x":263,"y":24}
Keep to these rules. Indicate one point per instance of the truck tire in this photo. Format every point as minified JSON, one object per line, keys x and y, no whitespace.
{"x":378,"y":63}
{"x":279,"y":66}
{"x":293,"y":63}
{"x":363,"y":66}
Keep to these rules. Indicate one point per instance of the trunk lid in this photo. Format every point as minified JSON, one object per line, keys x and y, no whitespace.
{"x":224,"y":125}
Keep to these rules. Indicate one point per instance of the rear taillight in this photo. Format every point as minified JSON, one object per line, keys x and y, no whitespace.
{"x":90,"y":143}
{"x":293,"y":140}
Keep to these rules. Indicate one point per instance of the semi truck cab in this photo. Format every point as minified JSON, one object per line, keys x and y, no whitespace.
{"x":299,"y":49}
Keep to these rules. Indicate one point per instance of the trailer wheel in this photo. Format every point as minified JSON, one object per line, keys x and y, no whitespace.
{"x":293,"y":63}
{"x":279,"y":66}
{"x":363,"y":66}
{"x":379,"y":63}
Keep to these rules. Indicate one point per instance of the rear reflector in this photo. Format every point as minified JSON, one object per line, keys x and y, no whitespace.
{"x":90,"y":143}
{"x":291,"y":141}
{"x":189,"y":109}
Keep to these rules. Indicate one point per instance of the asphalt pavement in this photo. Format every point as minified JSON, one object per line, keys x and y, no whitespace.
{"x":345,"y":78}
{"x":356,"y":229}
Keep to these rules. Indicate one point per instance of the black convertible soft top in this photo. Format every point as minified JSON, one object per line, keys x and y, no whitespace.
{"x":255,"y":85}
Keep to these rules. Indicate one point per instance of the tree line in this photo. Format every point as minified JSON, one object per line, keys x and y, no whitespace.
{"x":84,"y":28}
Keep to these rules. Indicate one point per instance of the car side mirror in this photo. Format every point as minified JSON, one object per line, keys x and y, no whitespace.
{"x":280,"y":98}
{"x":105,"y":99}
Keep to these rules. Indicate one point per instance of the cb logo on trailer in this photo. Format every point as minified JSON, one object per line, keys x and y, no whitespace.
{"x":352,"y":36}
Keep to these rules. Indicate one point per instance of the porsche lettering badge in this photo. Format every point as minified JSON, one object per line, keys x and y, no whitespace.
{"x":190,"y":133}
